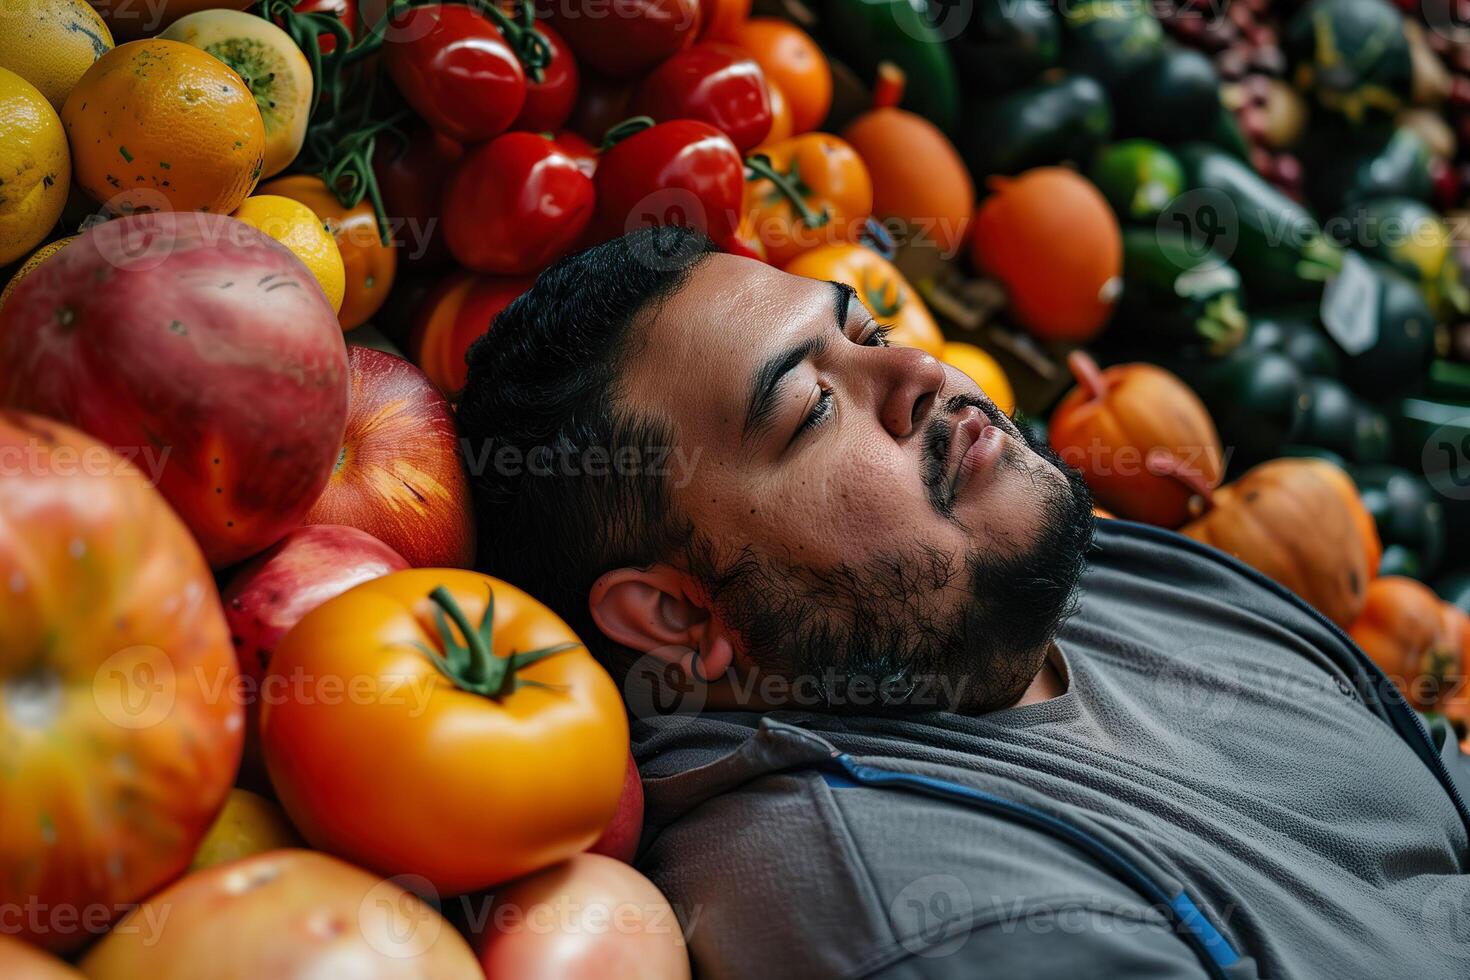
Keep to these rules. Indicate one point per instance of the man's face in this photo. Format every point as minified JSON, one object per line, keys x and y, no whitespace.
{"x":851,"y":474}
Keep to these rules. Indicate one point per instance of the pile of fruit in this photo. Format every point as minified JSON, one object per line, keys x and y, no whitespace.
{"x":249,"y":683}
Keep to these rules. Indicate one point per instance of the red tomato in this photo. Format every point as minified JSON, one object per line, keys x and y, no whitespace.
{"x":344,"y":10}
{"x":682,"y":172}
{"x":549,"y":100}
{"x":455,"y":69}
{"x":548,"y":925}
{"x":412,"y":172}
{"x":494,"y":725}
{"x":715,"y":83}
{"x":574,"y":146}
{"x":627,"y":38}
{"x":602,"y":103}
{"x":120,"y":721}
{"x":456,"y":313}
{"x":515,"y":205}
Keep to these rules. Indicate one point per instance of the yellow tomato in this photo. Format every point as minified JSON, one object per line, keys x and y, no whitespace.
{"x":297,"y":227}
{"x":36,"y":165}
{"x":52,"y":43}
{"x":983,"y":370}
{"x":880,"y":286}
{"x":247,"y":825}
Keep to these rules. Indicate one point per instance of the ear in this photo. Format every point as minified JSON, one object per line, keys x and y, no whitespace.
{"x":659,"y":611}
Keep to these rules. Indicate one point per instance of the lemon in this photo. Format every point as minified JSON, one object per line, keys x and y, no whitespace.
{"x":29,"y":265}
{"x":295,"y":226}
{"x":35,"y":167}
{"x":51,"y":43}
{"x":273,"y":67}
{"x":983,"y":370}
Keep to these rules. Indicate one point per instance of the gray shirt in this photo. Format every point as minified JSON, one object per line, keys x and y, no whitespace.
{"x":1216,"y":737}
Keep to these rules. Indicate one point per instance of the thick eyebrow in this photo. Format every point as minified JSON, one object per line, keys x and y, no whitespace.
{"x":762,"y":399}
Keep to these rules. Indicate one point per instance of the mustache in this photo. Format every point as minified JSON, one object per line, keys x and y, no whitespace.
{"x":938,"y":433}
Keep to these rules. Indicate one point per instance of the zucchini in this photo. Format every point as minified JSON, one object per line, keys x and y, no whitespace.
{"x":1296,"y":333}
{"x":1051,"y":122}
{"x":1433,"y":438}
{"x":1352,"y":57}
{"x":1335,"y":418}
{"x":1448,"y":381}
{"x":1173,"y":99}
{"x":1279,"y":249}
{"x":1406,"y":510}
{"x":1005,"y":45}
{"x":1409,"y":236}
{"x":1396,"y":166}
{"x":1107,"y":40}
{"x":1138,"y":177}
{"x":1178,"y":293}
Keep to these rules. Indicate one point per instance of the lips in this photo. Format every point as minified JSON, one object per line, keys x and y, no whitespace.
{"x":969,"y":424}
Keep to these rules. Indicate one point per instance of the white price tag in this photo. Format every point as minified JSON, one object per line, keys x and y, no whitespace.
{"x":1350,"y":305}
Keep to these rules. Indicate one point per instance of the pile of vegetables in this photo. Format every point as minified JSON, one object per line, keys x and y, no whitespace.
{"x":1212,"y":253}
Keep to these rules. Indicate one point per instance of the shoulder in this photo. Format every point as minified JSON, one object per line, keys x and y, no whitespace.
{"x":790,"y":875}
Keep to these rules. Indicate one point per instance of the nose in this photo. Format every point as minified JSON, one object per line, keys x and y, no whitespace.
{"x":910,"y":381}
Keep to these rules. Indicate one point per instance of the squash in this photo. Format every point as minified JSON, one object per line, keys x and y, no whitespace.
{"x":1112,"y":427}
{"x":1052,"y":241}
{"x":1353,"y":57}
{"x":1256,"y":397}
{"x":917,"y":173}
{"x":1413,"y":637}
{"x":1300,"y":522}
{"x":1172,"y":99}
{"x":1005,"y":44}
{"x":1408,"y":515}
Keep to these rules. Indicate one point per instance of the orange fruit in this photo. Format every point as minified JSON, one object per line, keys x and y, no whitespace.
{"x":982,"y":369}
{"x":161,"y":125}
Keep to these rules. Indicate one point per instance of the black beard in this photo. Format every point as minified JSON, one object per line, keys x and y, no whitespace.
{"x":859,"y":639}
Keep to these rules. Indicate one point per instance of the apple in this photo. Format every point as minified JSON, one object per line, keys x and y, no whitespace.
{"x":400,"y":475}
{"x":270,"y":594}
{"x":202,"y":351}
{"x":620,"y":838}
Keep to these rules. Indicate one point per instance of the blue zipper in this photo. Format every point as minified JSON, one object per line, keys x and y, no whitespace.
{"x":1405,"y":720}
{"x":1212,"y":948}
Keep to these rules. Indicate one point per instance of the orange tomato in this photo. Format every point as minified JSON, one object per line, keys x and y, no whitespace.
{"x":781,"y":124}
{"x":881,"y":287}
{"x":1051,"y":239}
{"x":370,"y":265}
{"x":812,"y":191}
{"x":119,"y":721}
{"x":791,"y":59}
{"x":458,"y":312}
{"x":283,"y":914}
{"x":161,"y":125}
{"x":504,"y":743}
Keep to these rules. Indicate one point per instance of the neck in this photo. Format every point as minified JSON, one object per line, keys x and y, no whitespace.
{"x":1047,"y":683}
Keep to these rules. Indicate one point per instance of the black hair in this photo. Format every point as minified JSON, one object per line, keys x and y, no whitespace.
{"x":564,"y":483}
